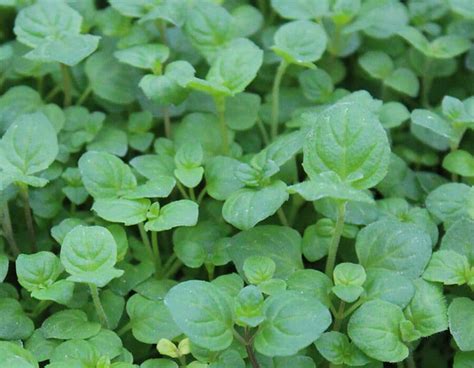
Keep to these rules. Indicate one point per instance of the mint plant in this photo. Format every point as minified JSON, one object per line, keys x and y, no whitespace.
{"x":236,"y":183}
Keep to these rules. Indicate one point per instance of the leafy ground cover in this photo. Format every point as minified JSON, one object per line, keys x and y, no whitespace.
{"x":236,"y":184}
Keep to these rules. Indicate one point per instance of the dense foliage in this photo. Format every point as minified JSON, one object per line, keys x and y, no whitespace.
{"x":236,"y":183}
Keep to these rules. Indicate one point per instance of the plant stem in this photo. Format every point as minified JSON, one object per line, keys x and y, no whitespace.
{"x":41,"y":307}
{"x":173,"y":269}
{"x":67,"y":85}
{"x":353,"y":307}
{"x":156,"y":252}
{"x":28,"y":216}
{"x":332,"y":253}
{"x":249,"y":349}
{"x":263,"y":131}
{"x":167,"y":121}
{"x":127,"y":327}
{"x":146,"y":242}
{"x":98,"y":306}
{"x":192,"y":195}
{"x":276,"y":98}
{"x":426,"y":82}
{"x":282,"y":217}
{"x":411,"y":361}
{"x":52,"y":93}
{"x":8,"y":230}
{"x":220,"y":108}
{"x":201,"y":195}
{"x":210,"y":271}
{"x":182,"y":190}
{"x":84,"y":95}
{"x":339,"y":317}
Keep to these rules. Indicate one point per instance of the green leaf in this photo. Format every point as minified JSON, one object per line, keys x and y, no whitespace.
{"x":221,"y":181}
{"x":209,"y":27}
{"x":462,"y":7}
{"x":89,"y":254}
{"x":301,"y":9}
{"x":459,"y":162}
{"x":389,"y":286}
{"x":448,"y":202}
{"x":403,"y":80}
{"x":242,"y":110}
{"x":293,"y":321}
{"x":428,"y":309}
{"x":105,"y":175}
{"x":203,"y":312}
{"x":432,"y":122}
{"x":313,"y":283}
{"x":300,"y":42}
{"x":258,"y":269}
{"x":329,"y":185}
{"x":355,"y":146}
{"x":448,"y":267}
{"x":236,"y":65}
{"x":149,"y":56}
{"x":151,"y":320}
{"x":393,"y":114}
{"x":377,"y":64}
{"x":126,"y":211}
{"x":348,"y":281}
{"x":69,"y":324}
{"x":110,"y":79}
{"x":29,"y":145}
{"x":249,"y":307}
{"x":394,"y":246}
{"x":247,"y":207}
{"x":69,"y":50}
{"x":46,"y":21}
{"x":458,"y":238}
{"x":38,"y":273}
{"x":374,"y":329}
{"x":3,"y":267}
{"x":443,"y":47}
{"x":461,"y":322}
{"x":336,"y":348}
{"x":281,"y":244}
{"x":463,"y":360}
{"x":174,"y":214}
{"x":13,"y":355}
{"x":17,"y":101}
{"x":15,"y":324}
{"x":317,"y":85}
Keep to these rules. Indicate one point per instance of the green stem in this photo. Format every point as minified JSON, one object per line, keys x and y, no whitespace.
{"x":84,"y":95}
{"x":332,"y":252}
{"x":410,"y":361}
{"x":173,"y":269}
{"x":192,"y":195}
{"x":127,"y":327}
{"x":220,"y":108}
{"x":156,"y":252}
{"x":167,"y":121}
{"x":201,"y":195}
{"x":210,"y":271}
{"x":182,"y":190}
{"x":353,"y":307}
{"x":41,"y":307}
{"x":67,"y":85}
{"x":282,"y":217}
{"x":28,"y":216}
{"x":146,"y":242}
{"x":98,"y":306}
{"x":263,"y":131}
{"x":339,"y":317}
{"x":52,"y":93}
{"x":276,"y":98}
{"x":8,"y":230}
{"x":249,"y":349}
